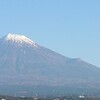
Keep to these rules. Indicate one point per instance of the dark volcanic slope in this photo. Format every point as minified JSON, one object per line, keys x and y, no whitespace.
{"x":23,"y":63}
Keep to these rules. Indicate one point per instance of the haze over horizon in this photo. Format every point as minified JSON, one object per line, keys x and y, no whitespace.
{"x":70,"y":28}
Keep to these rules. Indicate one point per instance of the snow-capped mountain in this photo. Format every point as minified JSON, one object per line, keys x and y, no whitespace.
{"x":25,"y":64}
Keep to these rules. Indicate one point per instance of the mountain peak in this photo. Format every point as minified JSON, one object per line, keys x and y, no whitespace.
{"x":19,"y":39}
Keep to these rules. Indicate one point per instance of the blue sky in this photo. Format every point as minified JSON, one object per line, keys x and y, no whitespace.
{"x":69,"y":27}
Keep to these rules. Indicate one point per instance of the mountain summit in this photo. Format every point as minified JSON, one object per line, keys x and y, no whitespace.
{"x":19,"y":40}
{"x":27,"y":66}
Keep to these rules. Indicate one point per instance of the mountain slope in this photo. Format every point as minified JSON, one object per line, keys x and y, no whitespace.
{"x":24,"y":62}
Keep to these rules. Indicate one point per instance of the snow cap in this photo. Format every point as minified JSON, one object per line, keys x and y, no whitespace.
{"x":19,"y":39}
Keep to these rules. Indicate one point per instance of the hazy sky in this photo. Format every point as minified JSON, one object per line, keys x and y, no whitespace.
{"x":69,"y":27}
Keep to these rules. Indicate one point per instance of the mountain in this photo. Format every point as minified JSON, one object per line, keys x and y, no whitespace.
{"x":29,"y":67}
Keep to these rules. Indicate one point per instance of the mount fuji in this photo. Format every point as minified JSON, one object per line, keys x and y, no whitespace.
{"x":28,"y":68}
